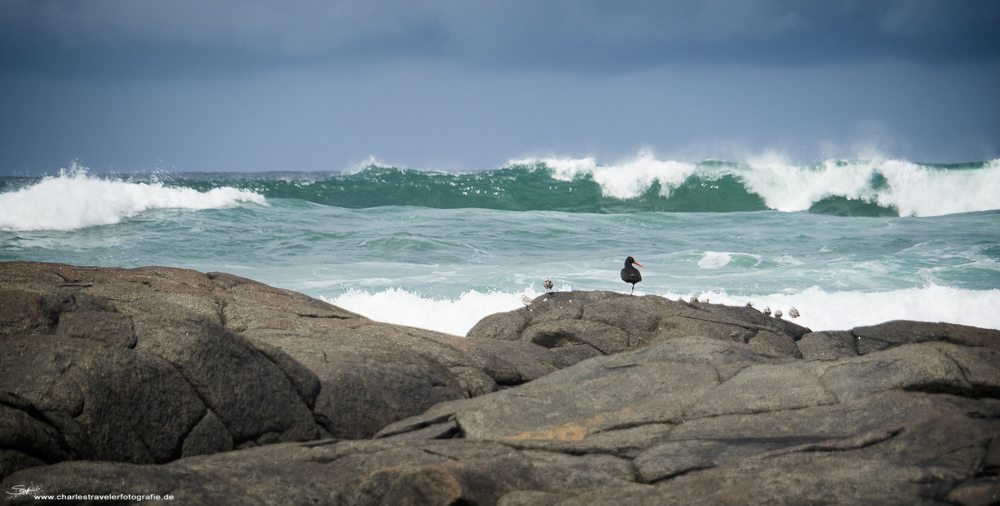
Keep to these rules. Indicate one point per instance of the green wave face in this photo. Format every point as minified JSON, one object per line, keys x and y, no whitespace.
{"x":841,"y":188}
{"x":517,"y":188}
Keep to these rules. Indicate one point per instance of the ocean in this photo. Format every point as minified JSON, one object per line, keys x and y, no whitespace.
{"x":845,"y":242}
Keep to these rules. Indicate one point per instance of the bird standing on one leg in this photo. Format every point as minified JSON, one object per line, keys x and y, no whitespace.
{"x":631,"y":274}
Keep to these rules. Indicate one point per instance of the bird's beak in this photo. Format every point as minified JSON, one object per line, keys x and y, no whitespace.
{"x":636,"y":263}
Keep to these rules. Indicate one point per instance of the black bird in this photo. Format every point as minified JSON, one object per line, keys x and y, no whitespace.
{"x":631,"y":274}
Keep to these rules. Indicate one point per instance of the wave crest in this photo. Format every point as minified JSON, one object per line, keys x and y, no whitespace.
{"x":874,"y":187}
{"x":75,"y":199}
{"x":866,"y":187}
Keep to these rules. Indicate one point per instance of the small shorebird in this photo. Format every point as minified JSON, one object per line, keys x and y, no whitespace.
{"x":794,"y":313}
{"x":777,"y":314}
{"x":767,"y":311}
{"x":631,"y":274}
{"x":547,"y":284}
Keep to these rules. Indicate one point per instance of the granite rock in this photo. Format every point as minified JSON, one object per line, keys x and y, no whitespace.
{"x":582,"y":325}
{"x":579,"y":398}
{"x":153,"y":364}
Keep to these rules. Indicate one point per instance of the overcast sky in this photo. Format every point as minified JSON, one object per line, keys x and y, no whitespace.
{"x":279,"y":85}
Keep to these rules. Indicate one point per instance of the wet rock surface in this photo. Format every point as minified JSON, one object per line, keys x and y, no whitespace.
{"x":230,"y":392}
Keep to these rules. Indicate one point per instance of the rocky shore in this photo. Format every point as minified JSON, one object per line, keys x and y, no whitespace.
{"x":215,"y":389}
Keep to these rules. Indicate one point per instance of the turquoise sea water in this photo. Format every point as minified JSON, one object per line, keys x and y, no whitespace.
{"x":845,"y":242}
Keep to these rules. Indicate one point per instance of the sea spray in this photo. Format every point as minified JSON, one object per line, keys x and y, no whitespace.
{"x":75,"y":199}
{"x":627,"y":180}
{"x":910,"y":189}
{"x":905,"y":187}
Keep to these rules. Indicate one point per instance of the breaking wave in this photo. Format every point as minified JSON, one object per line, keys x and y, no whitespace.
{"x":877,"y":187}
{"x":75,"y":199}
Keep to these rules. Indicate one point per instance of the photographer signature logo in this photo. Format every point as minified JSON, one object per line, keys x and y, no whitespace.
{"x":19,"y":491}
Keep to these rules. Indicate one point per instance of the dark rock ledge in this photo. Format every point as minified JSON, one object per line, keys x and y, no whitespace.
{"x":220,"y":390}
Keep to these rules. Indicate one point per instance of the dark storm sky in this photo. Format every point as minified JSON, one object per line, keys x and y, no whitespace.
{"x":225,"y":85}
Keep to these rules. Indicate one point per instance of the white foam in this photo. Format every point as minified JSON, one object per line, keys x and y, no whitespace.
{"x":400,"y":307}
{"x":819,"y":310}
{"x":714,"y":260}
{"x":914,"y":189}
{"x":627,"y":179}
{"x":786,"y":187}
{"x":845,"y":310}
{"x":921,"y":191}
{"x":74,"y":200}
{"x":370,"y":162}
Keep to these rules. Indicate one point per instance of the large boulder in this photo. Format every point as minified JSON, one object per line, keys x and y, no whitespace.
{"x":372,"y":373}
{"x":580,"y":325}
{"x":153,"y":364}
{"x":128,"y":373}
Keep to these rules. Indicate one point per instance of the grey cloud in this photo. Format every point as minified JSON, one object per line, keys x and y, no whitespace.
{"x":135,"y":37}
